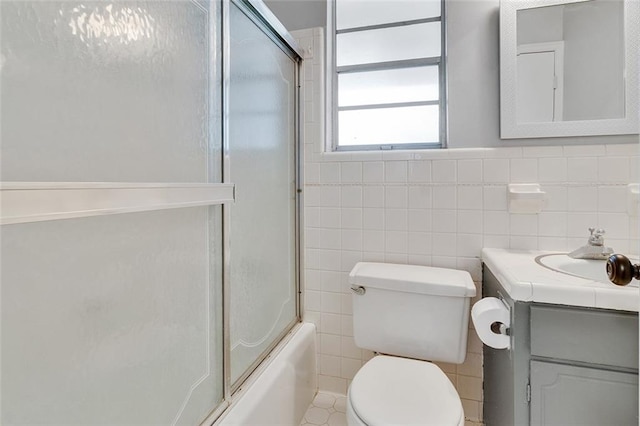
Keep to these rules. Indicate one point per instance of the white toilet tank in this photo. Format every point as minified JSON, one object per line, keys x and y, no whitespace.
{"x":412,"y":311}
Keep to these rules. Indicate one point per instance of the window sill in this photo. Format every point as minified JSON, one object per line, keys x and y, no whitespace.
{"x":413,"y":154}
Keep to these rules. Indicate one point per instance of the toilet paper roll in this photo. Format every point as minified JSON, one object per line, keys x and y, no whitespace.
{"x":486,"y":312}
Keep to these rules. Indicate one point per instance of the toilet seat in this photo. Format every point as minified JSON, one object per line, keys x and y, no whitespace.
{"x":399,"y":391}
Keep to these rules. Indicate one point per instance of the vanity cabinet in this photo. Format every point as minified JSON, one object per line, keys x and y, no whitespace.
{"x":570,"y":395}
{"x":566,"y":366}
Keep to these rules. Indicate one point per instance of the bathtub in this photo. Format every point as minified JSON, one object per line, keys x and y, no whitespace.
{"x":283,"y":389}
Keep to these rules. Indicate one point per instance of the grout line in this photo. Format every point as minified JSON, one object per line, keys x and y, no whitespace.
{"x":470,"y":184}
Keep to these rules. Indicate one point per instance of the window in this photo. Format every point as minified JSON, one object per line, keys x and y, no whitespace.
{"x":388,"y":74}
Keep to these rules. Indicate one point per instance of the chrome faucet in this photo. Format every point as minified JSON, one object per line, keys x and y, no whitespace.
{"x":594,"y":249}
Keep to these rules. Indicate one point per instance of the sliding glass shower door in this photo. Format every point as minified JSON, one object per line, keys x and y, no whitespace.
{"x":111,"y":232}
{"x":262,"y":114}
{"x":148,"y":206}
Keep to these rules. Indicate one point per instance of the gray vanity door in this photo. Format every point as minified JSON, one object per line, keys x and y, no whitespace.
{"x":569,"y":395}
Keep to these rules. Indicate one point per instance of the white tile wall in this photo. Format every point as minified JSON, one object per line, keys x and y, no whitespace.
{"x":439,"y":207}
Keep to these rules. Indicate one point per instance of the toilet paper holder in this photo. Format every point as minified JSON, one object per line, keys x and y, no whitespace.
{"x":498,"y":327}
{"x":491,"y":317}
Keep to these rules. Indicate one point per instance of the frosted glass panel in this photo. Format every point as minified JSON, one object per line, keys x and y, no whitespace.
{"x":350,"y":13}
{"x":389,"y":125}
{"x":261,"y":152}
{"x":388,"y":86}
{"x":109,"y":91}
{"x":389,"y":44}
{"x":112,"y":320}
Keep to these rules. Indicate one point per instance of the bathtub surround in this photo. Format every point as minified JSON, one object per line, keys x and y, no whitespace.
{"x":439,"y":208}
{"x":283,"y":387}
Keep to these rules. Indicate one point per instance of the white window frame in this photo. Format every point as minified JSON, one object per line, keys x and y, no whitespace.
{"x":331,"y":84}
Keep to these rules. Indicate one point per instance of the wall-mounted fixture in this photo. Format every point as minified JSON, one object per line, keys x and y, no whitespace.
{"x":526,"y":198}
{"x":491,"y":319}
{"x":568,"y":68}
{"x":594,"y":249}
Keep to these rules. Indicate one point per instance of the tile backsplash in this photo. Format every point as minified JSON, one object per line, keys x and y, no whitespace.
{"x":439,"y":208}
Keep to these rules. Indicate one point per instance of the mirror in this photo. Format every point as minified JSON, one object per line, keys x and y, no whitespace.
{"x":557,"y":41}
{"x":568,"y":68}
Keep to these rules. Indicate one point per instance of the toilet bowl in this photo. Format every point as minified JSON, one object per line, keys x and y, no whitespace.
{"x":413,"y":314}
{"x":400,"y":391}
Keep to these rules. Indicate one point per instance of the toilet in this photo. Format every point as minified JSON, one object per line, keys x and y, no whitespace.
{"x":410,"y":315}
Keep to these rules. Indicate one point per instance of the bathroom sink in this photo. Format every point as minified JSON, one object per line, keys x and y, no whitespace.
{"x":555,"y":278}
{"x":594,"y":270}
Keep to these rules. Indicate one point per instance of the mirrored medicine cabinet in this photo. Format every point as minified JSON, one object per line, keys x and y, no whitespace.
{"x":568,"y":68}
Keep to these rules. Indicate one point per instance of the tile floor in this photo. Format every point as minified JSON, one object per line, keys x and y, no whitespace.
{"x":327,"y":409}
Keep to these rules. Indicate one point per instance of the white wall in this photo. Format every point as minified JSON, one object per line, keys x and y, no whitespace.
{"x":473,"y":72}
{"x":299,"y":14}
{"x":474,"y":81}
{"x":439,"y":208}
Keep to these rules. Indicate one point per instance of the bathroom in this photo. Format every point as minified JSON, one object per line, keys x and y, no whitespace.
{"x":432,"y":207}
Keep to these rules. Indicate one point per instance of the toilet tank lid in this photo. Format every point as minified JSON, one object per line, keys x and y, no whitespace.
{"x":413,"y":279}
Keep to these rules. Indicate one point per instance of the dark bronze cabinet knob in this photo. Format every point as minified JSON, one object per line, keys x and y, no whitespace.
{"x":621,"y":271}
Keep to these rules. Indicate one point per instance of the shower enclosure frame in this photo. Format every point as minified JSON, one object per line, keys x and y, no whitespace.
{"x":264,"y":19}
{"x":27,"y":202}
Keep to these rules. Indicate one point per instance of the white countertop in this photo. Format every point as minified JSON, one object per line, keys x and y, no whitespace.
{"x":526,"y":281}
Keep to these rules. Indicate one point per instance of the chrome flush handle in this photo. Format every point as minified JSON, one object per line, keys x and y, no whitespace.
{"x":359,"y":290}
